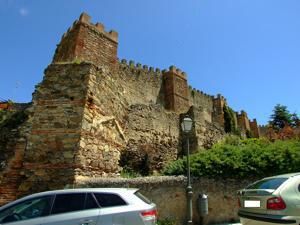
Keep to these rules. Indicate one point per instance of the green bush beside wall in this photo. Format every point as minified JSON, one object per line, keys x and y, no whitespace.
{"x":241,"y":159}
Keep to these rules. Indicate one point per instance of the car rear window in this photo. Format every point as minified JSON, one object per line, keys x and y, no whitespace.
{"x":109,"y":200}
{"x":142,"y":197}
{"x":272,"y":183}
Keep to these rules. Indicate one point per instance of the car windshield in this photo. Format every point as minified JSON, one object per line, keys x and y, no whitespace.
{"x":271,"y":183}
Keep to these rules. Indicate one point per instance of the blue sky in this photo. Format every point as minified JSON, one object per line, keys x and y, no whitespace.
{"x":247,"y":50}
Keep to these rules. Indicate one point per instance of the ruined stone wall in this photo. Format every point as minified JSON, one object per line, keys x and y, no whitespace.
{"x":13,"y":140}
{"x":243,"y":121}
{"x":11,"y":167}
{"x":140,"y":84}
{"x":153,"y":138}
{"x":206,"y":133}
{"x":93,"y":115}
{"x":254,"y":128}
{"x":204,"y":104}
{"x":50,"y":159}
{"x":104,"y":120}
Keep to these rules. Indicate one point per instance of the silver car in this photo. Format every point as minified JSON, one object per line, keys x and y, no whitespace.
{"x":105,"y":206}
{"x":270,"y":201}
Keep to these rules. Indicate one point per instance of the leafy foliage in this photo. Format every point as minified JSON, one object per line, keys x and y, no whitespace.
{"x":241,"y":159}
{"x":11,"y":119}
{"x":230,"y":123}
{"x":129,"y":173}
{"x":166,"y":221}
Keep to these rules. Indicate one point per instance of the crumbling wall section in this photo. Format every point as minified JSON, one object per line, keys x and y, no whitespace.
{"x":204,"y":104}
{"x":243,"y":122}
{"x":50,"y":159}
{"x":255,"y":131}
{"x":153,"y":138}
{"x":15,"y":124}
{"x":207,"y":134}
{"x":104,"y":118}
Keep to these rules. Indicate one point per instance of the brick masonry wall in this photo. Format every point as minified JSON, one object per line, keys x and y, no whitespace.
{"x":50,"y":158}
{"x":175,"y":90}
{"x":89,"y":42}
{"x":169,"y":194}
{"x":13,"y":144}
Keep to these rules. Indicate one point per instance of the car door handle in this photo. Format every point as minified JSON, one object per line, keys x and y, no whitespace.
{"x":87,"y":222}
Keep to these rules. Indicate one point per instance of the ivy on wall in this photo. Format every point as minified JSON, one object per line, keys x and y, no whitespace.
{"x":230,"y":125}
{"x":11,"y":119}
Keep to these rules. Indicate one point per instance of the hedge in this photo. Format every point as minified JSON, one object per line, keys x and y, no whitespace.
{"x":241,"y":159}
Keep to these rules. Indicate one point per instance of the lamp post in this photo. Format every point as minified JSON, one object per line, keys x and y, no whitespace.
{"x":186,"y":126}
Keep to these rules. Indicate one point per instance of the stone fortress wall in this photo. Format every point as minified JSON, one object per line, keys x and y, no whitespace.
{"x":93,"y":115}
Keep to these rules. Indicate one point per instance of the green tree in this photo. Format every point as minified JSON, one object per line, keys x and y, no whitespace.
{"x":280,"y":117}
{"x":295,"y":120}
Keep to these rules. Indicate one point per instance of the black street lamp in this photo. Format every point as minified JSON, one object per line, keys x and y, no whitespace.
{"x":186,"y":126}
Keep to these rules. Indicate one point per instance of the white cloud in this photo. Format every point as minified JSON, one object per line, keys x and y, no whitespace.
{"x":23,"y":12}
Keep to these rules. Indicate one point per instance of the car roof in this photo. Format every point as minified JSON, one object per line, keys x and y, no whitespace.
{"x":75,"y":190}
{"x":287,"y":175}
{"x":78,"y":190}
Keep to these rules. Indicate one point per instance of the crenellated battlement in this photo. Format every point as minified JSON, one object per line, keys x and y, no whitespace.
{"x":138,"y":67}
{"x":255,"y":130}
{"x":242,"y":113}
{"x":99,"y":27}
{"x":85,"y":41}
{"x":89,"y":42}
{"x":243,"y":121}
{"x":85,"y":19}
{"x":195,"y":93}
{"x":220,"y":97}
{"x":175,"y":71}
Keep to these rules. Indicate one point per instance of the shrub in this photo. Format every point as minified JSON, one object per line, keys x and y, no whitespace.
{"x":129,"y":173}
{"x":166,"y":221}
{"x":241,"y":159}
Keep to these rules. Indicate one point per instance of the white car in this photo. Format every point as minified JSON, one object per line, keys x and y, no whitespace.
{"x":271,"y":201}
{"x":93,"y":206}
